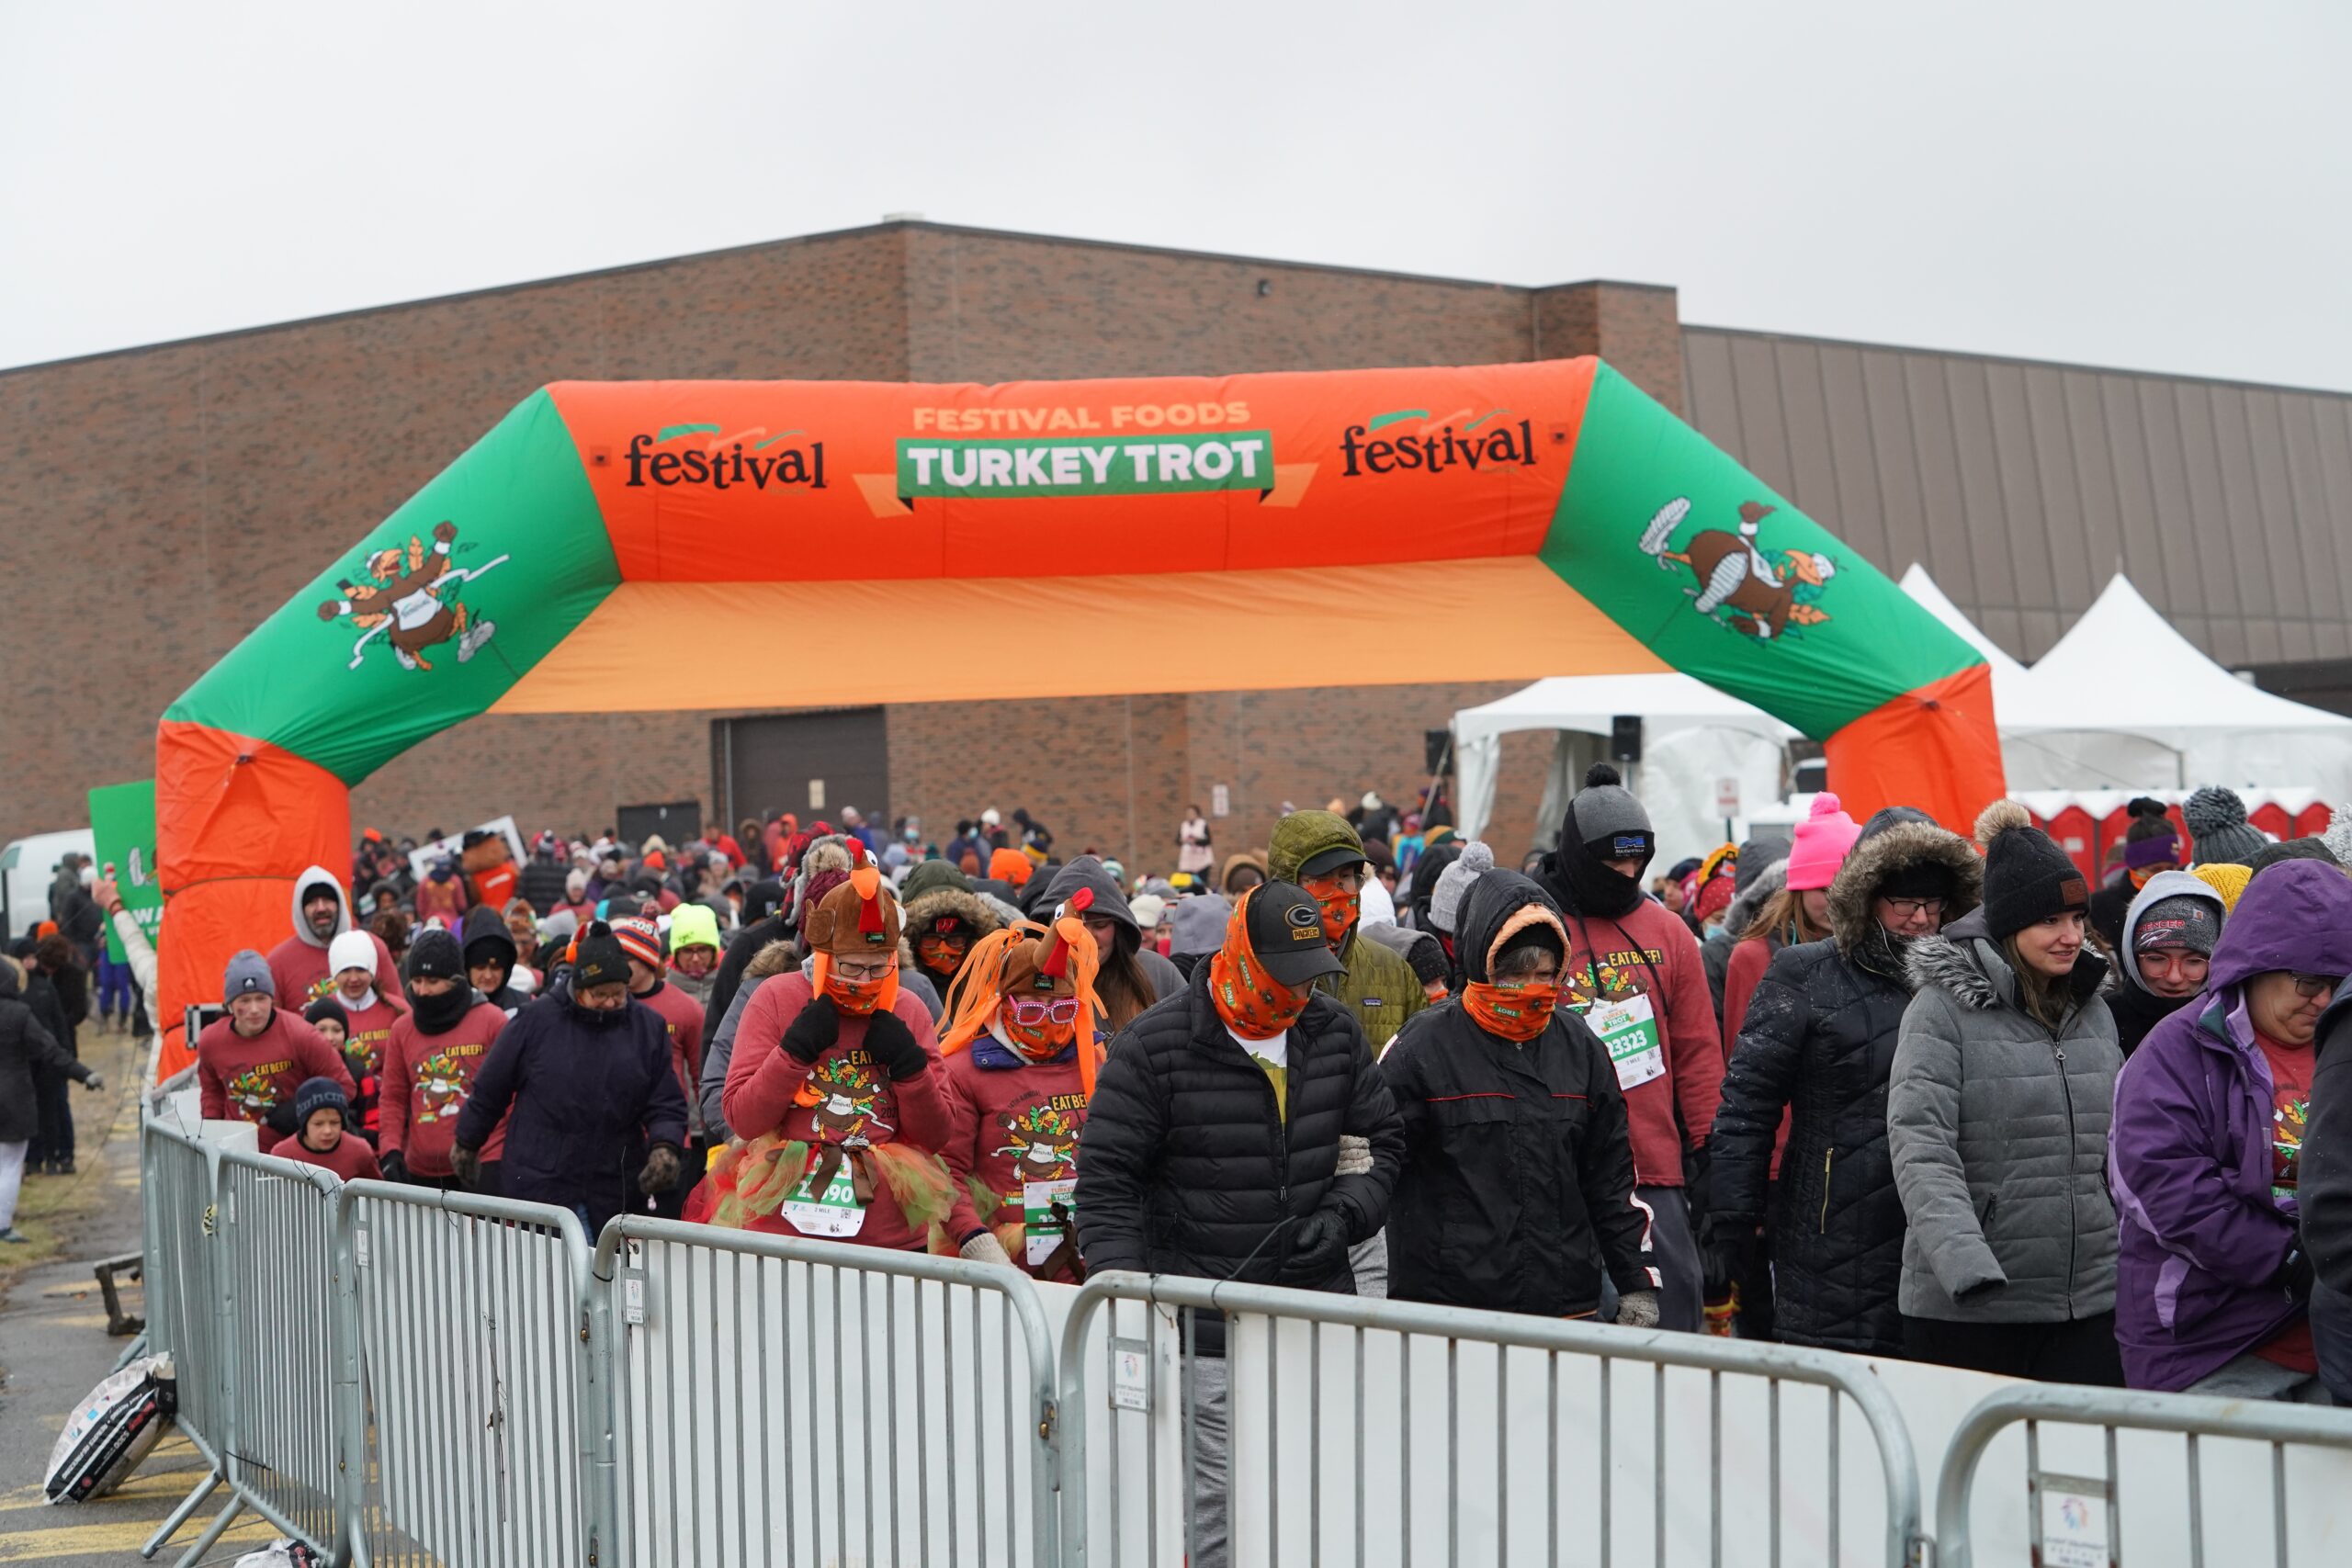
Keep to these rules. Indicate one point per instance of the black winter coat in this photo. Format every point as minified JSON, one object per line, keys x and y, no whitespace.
{"x":26,"y":1048}
{"x":1185,"y":1167}
{"x":543,"y":882}
{"x":1819,"y":1038}
{"x":1518,"y":1183}
{"x":591,"y":1094}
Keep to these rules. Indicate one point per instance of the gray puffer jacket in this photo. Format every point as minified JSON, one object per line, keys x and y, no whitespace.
{"x":1997,"y":1127}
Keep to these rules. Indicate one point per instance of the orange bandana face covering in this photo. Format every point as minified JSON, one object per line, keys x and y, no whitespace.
{"x":1512,"y":1011}
{"x":1253,"y":1004}
{"x":942,"y":955}
{"x":1046,"y":1036}
{"x":856,"y":997}
{"x":1341,"y":907}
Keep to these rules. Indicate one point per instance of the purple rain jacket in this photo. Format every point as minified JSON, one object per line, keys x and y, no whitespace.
{"x":2189,"y":1148}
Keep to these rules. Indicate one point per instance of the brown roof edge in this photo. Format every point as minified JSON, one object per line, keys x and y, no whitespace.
{"x":2021,"y":360}
{"x":822,"y":237}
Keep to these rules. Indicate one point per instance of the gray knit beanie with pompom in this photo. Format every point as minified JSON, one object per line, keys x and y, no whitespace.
{"x":2218,"y":831}
{"x":1453,"y":884}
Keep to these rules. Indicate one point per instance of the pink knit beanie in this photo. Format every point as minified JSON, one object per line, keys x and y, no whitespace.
{"x":1823,"y":841}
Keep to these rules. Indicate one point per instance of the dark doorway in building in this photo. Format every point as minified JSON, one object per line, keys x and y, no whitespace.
{"x":678,"y":821}
{"x":811,"y":764}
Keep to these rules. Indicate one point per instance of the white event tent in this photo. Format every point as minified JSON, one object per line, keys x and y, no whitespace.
{"x":2124,"y":701}
{"x":1692,"y":736}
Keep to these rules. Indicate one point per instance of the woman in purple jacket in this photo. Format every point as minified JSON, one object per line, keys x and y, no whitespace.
{"x":2206,"y":1146}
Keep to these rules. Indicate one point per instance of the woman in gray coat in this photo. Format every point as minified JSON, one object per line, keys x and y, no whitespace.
{"x":1996,"y":1114}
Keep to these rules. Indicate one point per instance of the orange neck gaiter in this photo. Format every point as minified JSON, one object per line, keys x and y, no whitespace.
{"x":1517,"y":1012}
{"x":1253,"y":1004}
{"x":1342,"y":909}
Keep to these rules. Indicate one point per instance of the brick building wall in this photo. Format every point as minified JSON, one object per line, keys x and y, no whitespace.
{"x":159,"y":502}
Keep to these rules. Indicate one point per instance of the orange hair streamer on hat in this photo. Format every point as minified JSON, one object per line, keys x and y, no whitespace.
{"x":1013,"y":956}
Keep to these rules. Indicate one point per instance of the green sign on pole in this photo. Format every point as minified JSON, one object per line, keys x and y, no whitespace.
{"x":122,"y":821}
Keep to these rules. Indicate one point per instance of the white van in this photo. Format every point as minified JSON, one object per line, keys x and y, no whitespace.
{"x":26,"y":868}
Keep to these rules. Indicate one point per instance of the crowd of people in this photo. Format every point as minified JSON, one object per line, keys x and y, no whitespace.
{"x":56,"y":980}
{"x":1874,"y":1086}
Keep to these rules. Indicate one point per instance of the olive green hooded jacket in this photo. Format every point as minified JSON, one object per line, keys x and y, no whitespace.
{"x":1379,"y":988}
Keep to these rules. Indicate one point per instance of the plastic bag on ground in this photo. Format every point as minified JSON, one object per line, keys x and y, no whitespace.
{"x":110,"y":1431}
{"x":283,"y":1552}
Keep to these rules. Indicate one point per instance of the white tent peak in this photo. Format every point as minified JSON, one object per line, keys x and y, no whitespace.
{"x":2149,"y":679}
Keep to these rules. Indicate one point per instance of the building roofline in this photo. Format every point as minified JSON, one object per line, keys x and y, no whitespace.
{"x":2022,"y":361}
{"x":822,"y":236}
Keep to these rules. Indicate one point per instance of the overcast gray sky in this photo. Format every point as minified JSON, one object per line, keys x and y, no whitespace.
{"x":2153,"y":184}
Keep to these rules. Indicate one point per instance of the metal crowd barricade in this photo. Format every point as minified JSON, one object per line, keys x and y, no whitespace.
{"x":782,"y":1400}
{"x":274,"y":1275}
{"x":183,"y":1308}
{"x":2164,"y":1514}
{"x":1364,"y":1431}
{"x":467,"y":1381}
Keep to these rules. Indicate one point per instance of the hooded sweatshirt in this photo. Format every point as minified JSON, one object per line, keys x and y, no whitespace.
{"x":1164,"y":978}
{"x":299,"y":965}
{"x":2197,"y":1137}
{"x":2137,"y":1009}
{"x":485,"y":925}
{"x":1378,"y":988}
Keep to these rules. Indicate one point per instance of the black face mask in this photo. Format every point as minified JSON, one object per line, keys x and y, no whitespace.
{"x":1585,"y":887}
{"x":440,"y":1013}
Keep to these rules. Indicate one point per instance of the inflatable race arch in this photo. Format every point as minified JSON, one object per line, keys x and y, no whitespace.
{"x":1317,"y":528}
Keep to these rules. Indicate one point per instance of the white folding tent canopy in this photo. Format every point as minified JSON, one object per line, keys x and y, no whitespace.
{"x":2124,"y":700}
{"x":1692,"y":735}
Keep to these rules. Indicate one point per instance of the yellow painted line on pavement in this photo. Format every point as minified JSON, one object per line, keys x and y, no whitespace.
{"x":154,"y":1484}
{"x":128,"y":1535}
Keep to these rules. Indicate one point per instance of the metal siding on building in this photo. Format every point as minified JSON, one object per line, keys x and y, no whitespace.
{"x":2024,"y":487}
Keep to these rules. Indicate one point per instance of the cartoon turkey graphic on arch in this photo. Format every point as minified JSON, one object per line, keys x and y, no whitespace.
{"x":1740,"y":585}
{"x":409,"y":599}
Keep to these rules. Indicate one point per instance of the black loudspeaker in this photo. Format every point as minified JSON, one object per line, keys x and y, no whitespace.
{"x":1625,"y":738}
{"x":1436,"y":746}
{"x":1811,"y":777}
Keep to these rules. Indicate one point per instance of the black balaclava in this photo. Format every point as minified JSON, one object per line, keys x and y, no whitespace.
{"x":1603,"y":815}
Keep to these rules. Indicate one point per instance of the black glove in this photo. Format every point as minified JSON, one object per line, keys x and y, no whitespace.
{"x":1698,"y":1184}
{"x":2295,"y":1276}
{"x":281,"y":1119}
{"x":393,"y":1166}
{"x":813,"y":1031}
{"x":1319,"y":1249}
{"x":661,"y":1172}
{"x":467,"y":1163}
{"x":894,"y":1046}
{"x":1725,"y":1254}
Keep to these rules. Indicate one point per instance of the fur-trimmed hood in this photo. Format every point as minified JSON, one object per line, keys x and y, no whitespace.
{"x":1882,"y":855}
{"x":1967,"y":962}
{"x":777,"y":957}
{"x":1769,"y":884}
{"x":928,"y":906}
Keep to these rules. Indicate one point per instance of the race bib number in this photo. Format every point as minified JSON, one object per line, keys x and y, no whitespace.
{"x":1043,"y":1231}
{"x":1628,"y":1027}
{"x":831,"y":1212}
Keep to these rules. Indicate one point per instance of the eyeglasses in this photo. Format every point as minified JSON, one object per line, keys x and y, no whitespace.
{"x":1911,"y":909}
{"x":1031,"y":1014}
{"x":853,"y":971}
{"x":2310,"y":986}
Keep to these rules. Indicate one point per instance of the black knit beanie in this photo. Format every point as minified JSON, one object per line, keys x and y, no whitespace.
{"x":2028,"y":878}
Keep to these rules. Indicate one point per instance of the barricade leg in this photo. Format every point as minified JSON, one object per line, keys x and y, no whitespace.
{"x":179,"y":1516}
{"x":212,"y":1532}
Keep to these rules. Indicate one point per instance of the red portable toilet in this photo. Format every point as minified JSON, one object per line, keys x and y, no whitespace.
{"x":2078,"y":832}
{"x":2312,"y":819}
{"x":2272,"y":818}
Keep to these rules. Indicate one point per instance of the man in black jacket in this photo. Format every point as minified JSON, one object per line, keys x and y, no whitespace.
{"x":1517,"y":1192}
{"x":1211,"y":1145}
